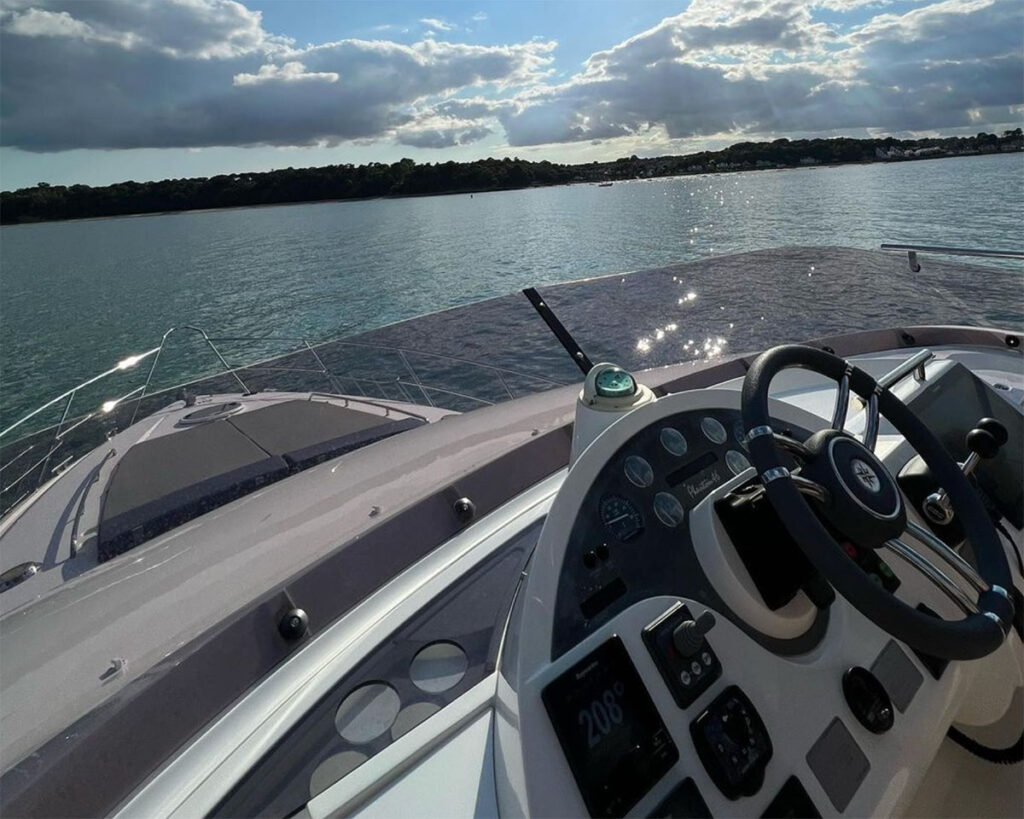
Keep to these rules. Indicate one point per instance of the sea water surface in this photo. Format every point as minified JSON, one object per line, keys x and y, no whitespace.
{"x":75,"y":297}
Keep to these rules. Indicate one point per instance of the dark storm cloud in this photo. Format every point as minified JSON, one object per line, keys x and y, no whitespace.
{"x":195,"y":73}
{"x":442,"y":137}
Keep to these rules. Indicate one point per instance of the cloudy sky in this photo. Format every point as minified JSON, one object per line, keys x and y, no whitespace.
{"x":98,"y":91}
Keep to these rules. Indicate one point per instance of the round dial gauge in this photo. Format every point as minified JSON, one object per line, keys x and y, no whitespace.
{"x":736,"y":461}
{"x":713,"y":430}
{"x":638,"y":471}
{"x":621,"y":517}
{"x":739,"y":434}
{"x":673,"y":441}
{"x":668,"y":509}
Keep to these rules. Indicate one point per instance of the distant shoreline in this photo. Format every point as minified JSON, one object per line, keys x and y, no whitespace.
{"x":406,"y":179}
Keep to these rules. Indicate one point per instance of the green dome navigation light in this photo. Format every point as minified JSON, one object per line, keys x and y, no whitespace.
{"x":608,"y":393}
{"x":614,"y":383}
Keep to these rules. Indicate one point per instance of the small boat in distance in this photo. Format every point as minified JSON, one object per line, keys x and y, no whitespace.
{"x":605,"y":184}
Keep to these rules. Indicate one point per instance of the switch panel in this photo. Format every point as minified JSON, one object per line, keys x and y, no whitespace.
{"x":733,"y":743}
{"x":687,"y":675}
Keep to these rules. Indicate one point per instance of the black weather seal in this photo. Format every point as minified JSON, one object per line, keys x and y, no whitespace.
{"x":999,"y":756}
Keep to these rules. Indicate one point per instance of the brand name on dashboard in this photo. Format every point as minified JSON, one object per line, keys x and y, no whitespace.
{"x":698,"y":488}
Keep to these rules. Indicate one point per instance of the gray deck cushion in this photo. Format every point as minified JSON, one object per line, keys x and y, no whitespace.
{"x":163,"y":482}
{"x":167,"y":481}
{"x":307,"y":432}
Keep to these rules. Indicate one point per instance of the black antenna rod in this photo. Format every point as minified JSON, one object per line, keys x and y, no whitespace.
{"x":580,"y":358}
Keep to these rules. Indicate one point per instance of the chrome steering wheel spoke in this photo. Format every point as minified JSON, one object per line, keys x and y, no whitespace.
{"x":810,"y":488}
{"x":939,"y":578}
{"x":949,"y":556}
{"x":871,"y":422}
{"x":792,"y":446}
{"x":842,"y":401}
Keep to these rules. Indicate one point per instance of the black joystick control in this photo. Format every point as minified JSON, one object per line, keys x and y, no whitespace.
{"x":984,"y":442}
{"x":688,"y":636}
{"x":679,"y":646}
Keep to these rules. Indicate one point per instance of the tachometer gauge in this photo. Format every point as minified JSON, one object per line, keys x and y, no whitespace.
{"x":621,"y":517}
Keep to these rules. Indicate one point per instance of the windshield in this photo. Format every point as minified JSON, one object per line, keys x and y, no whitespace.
{"x":499,"y":349}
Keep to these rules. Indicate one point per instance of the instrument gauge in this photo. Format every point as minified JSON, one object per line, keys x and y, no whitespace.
{"x":736,"y":461}
{"x":621,"y":517}
{"x":638,"y":471}
{"x":668,"y":509}
{"x":673,"y":440}
{"x":740,"y":434}
{"x":713,"y":430}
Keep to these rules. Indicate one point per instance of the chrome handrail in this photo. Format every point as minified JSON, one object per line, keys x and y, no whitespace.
{"x":122,"y":365}
{"x":914,"y":249}
{"x":160,"y":349}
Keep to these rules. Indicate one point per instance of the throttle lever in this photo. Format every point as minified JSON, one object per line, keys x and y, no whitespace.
{"x":984,"y":442}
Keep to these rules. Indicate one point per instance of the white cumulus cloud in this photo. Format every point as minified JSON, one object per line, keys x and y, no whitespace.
{"x":438,"y":24}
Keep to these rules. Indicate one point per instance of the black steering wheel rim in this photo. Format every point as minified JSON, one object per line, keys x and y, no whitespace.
{"x":970,"y":638}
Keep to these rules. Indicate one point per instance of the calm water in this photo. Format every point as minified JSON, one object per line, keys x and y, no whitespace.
{"x":77,"y":296}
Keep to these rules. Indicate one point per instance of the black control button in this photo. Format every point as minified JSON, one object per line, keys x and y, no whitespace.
{"x":733,"y":743}
{"x":684,"y":657}
{"x":602,"y":551}
{"x":685,"y":802}
{"x":590,"y":559}
{"x":791,"y":802}
{"x":868,"y":700}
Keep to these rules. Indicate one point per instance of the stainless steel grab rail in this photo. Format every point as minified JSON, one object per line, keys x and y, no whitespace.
{"x":941,"y":250}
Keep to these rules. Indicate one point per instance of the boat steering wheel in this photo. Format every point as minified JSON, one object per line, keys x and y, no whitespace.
{"x":856,"y":499}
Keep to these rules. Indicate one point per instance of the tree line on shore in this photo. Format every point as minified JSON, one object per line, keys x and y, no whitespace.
{"x":407,"y":178}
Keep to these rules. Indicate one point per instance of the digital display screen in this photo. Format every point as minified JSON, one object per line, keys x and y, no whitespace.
{"x":613,"y":737}
{"x":951,"y":407}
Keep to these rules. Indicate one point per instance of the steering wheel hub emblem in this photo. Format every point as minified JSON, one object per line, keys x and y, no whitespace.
{"x":864,"y":502}
{"x":866,"y":475}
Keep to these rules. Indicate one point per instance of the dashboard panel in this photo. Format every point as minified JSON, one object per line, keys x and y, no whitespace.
{"x":771,"y":729}
{"x":630,"y":539}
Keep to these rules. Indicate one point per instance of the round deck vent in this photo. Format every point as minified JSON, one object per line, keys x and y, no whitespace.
{"x":213,"y":412}
{"x":334,"y":768}
{"x":367,"y":712}
{"x":411,"y":716}
{"x":438,"y":667}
